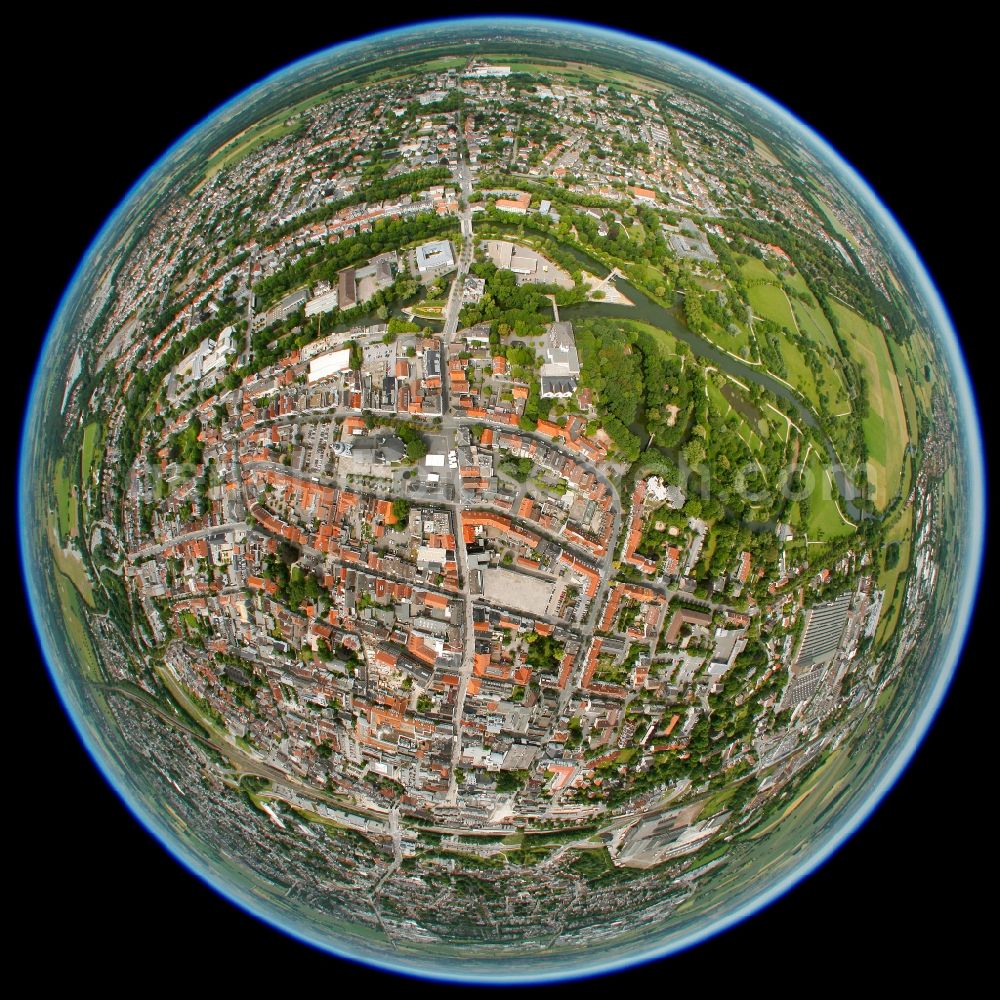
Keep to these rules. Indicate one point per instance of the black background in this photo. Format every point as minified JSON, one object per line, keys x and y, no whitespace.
{"x":896,"y":99}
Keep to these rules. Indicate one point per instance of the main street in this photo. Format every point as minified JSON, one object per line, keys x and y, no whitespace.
{"x":464,"y":178}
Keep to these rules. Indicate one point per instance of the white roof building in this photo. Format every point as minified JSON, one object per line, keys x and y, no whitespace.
{"x":329,"y":364}
{"x":437,"y":253}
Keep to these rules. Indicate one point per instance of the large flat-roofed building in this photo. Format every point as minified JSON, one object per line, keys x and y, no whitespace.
{"x":205,"y":360}
{"x":483,"y":72}
{"x":559,"y":372}
{"x":283,"y":309}
{"x":560,"y":347}
{"x":380,"y":449}
{"x":323,"y":303}
{"x":434,"y":255}
{"x":824,"y":628}
{"x":326,"y":365}
{"x":347,"y":287}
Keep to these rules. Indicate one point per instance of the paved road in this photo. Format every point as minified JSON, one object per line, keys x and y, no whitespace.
{"x":188,"y":536}
{"x":464,"y":178}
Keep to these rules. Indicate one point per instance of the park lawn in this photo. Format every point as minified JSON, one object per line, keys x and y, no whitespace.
{"x":754,"y":269}
{"x":793,"y":517}
{"x":799,"y":373}
{"x":905,"y":379}
{"x":911,"y":358}
{"x":256,"y":136}
{"x":814,"y":324}
{"x":723,"y":339}
{"x":652,"y":276}
{"x":91,"y":436}
{"x":831,"y":217}
{"x":917,"y":350}
{"x":714,"y":803}
{"x":750,"y":435}
{"x":667,"y":342}
{"x":764,"y":150}
{"x":66,"y":507}
{"x":893,"y":602}
{"x":427,"y":311}
{"x":885,"y":426}
{"x":825,"y":522}
{"x":796,"y":282}
{"x":750,"y":438}
{"x":734,"y":343}
{"x":837,"y":403}
{"x":770,"y":302}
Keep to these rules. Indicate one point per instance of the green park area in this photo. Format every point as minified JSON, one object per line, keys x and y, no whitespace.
{"x":808,"y":363}
{"x":768,"y":300}
{"x":66,"y":506}
{"x":818,"y":516}
{"x":91,"y":437}
{"x":666,"y":341}
{"x":751,"y":432}
{"x":884,"y":425}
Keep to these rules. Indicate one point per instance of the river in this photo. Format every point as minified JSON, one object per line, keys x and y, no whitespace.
{"x":647,"y":311}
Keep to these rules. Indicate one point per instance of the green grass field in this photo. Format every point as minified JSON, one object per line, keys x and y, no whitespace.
{"x":666,"y":341}
{"x":770,"y":302}
{"x":755,"y":269}
{"x":893,"y":580}
{"x":825,"y":521}
{"x":813,"y":324}
{"x":715,"y":803}
{"x":885,"y":426}
{"x":66,"y":508}
{"x":91,"y":436}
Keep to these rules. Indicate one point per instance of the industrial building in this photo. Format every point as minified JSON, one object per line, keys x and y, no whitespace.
{"x":824,"y":626}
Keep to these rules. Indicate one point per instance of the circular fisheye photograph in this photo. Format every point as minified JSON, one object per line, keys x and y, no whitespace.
{"x":500,"y":500}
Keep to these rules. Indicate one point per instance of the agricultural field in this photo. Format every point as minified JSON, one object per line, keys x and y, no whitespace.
{"x":70,"y":565}
{"x":76,"y":629}
{"x":893,"y":580}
